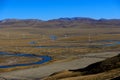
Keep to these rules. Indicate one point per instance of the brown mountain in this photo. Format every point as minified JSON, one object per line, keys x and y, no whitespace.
{"x":61,"y":23}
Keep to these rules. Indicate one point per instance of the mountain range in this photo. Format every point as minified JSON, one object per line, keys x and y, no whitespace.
{"x":76,"y":22}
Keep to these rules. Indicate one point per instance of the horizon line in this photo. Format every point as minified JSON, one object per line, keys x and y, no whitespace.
{"x":61,"y":18}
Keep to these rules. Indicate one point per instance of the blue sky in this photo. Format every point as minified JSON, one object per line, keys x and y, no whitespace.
{"x":52,"y":9}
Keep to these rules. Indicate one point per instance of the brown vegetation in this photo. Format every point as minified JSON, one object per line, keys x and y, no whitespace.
{"x":107,"y":69}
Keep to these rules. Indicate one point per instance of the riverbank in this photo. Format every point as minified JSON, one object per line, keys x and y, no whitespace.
{"x":42,"y":60}
{"x":49,"y":69}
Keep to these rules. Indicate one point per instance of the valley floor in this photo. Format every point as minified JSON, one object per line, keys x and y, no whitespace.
{"x":46,"y":70}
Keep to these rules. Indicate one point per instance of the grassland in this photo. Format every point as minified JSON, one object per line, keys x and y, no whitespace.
{"x":75,"y":41}
{"x":104,"y":70}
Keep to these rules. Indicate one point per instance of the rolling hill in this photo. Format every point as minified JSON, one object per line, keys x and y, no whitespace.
{"x":61,"y":23}
{"x":108,"y":69}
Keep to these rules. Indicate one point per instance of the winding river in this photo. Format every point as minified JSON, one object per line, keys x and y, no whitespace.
{"x":44,"y":59}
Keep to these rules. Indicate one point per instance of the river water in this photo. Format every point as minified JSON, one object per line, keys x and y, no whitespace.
{"x":44,"y":59}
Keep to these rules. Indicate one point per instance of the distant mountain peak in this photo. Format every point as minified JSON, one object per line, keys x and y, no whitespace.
{"x":61,"y":22}
{"x":71,"y":19}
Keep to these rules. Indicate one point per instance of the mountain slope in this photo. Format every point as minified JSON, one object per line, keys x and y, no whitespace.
{"x":108,"y":69}
{"x":61,"y":23}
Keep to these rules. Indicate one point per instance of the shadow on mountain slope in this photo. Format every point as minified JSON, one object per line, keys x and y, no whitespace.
{"x":108,"y":64}
{"x":108,"y":69}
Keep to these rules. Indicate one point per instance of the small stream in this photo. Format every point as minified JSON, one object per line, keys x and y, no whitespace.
{"x":113,"y":43}
{"x":108,"y":43}
{"x":47,"y":58}
{"x":44,"y":59}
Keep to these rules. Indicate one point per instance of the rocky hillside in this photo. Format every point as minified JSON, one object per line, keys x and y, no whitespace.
{"x":61,"y":23}
{"x":108,"y":69}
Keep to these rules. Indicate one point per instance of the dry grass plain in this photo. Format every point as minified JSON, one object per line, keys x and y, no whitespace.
{"x":69,"y":42}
